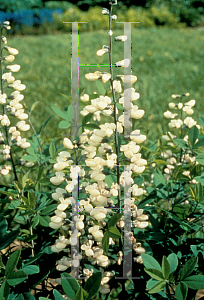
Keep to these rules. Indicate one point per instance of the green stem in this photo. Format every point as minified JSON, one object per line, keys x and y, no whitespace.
{"x":114,"y":101}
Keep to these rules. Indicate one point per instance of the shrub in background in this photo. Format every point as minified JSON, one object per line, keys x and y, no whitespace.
{"x":13,"y":5}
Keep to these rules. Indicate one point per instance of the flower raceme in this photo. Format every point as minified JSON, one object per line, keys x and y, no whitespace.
{"x":13,"y":118}
{"x":180,"y":123}
{"x":98,"y":150}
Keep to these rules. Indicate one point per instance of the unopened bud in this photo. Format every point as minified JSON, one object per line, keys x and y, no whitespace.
{"x":113,"y":17}
{"x":105,"y":11}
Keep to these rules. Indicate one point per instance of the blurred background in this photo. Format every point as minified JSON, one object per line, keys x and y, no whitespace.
{"x":167,"y":52}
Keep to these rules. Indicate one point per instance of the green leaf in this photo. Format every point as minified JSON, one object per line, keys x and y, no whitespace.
{"x":188,"y":267}
{"x":155,"y":274}
{"x":44,"y":221}
{"x":64,"y":125}
{"x":201,"y":119}
{"x":49,"y":209}
{"x":3,"y":226}
{"x":165,"y":267}
{"x":57,"y":295}
{"x":114,"y":219}
{"x":150,"y":262}
{"x":27,"y":296}
{"x":180,"y":143}
{"x":44,"y":125}
{"x":195,"y":282}
{"x":150,"y":283}
{"x":17,"y":277}
{"x":79,"y":294}
{"x":69,"y":285}
{"x":45,"y":181}
{"x":4,"y":290}
{"x":31,"y":269}
{"x":8,"y":238}
{"x":193,"y":135}
{"x":200,"y":179}
{"x":30,"y":158}
{"x":31,"y":199}
{"x":173,"y":261}
{"x":93,"y":284}
{"x":200,"y":158}
{"x":200,"y":141}
{"x":60,"y":113}
{"x":52,"y":150}
{"x":181,"y":291}
{"x":35,"y":221}
{"x":157,"y":287}
{"x":109,"y":179}
{"x":119,"y":106}
{"x":12,"y":262}
{"x":36,"y":257}
{"x":105,"y":242}
{"x":7,"y":193}
{"x":34,"y":105}
{"x":159,"y":179}
{"x":86,"y":119}
{"x":67,"y":288}
{"x":40,"y":173}
{"x":114,"y":233}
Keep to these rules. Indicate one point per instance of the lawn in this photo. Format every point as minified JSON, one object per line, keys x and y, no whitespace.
{"x":165,"y":60}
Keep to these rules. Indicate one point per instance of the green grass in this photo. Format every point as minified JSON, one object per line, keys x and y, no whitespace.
{"x":166,"y":61}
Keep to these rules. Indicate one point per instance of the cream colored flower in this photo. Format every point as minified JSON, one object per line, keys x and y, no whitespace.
{"x":3,"y":98}
{"x":92,"y":76}
{"x":9,"y":58}
{"x":169,"y":115}
{"x":85,"y":98}
{"x":98,"y":213}
{"x":189,"y":122}
{"x":58,"y":178}
{"x":101,"y":52}
{"x":137,"y":137}
{"x":13,"y":68}
{"x":121,"y":38}
{"x":175,"y":123}
{"x":117,"y":86}
{"x":123,"y":63}
{"x":67,"y":143}
{"x":190,"y":103}
{"x":128,"y":78}
{"x":11,"y":51}
{"x":4,"y":120}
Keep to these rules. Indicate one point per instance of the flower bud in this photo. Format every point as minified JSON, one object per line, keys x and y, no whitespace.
{"x":122,"y":38}
{"x":13,"y":68}
{"x":67,"y":143}
{"x":113,"y":17}
{"x":9,"y":58}
{"x":11,"y":51}
{"x":92,"y":76}
{"x":105,"y":11}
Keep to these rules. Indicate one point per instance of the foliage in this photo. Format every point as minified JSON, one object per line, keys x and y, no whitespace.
{"x":12,"y":5}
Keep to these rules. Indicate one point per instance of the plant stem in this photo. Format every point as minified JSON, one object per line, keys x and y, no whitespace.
{"x":114,"y":101}
{"x":6,"y":128}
